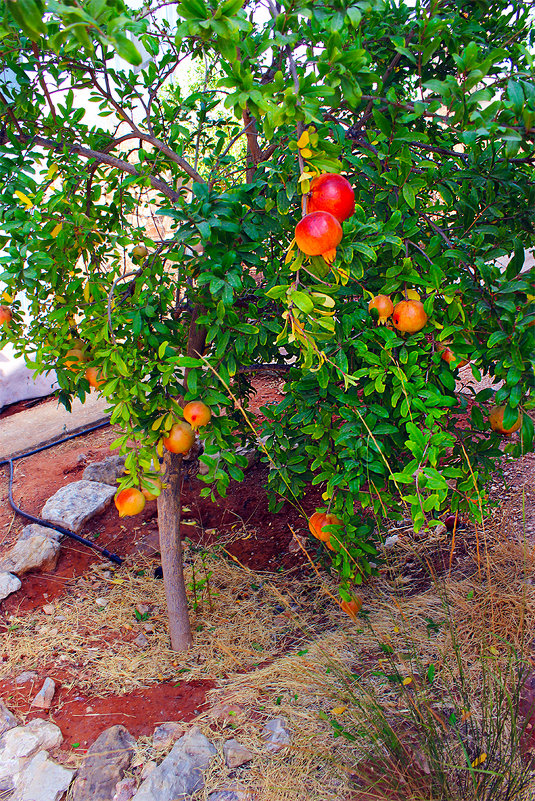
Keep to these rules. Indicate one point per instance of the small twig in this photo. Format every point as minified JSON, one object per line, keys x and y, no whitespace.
{"x":110,"y":298}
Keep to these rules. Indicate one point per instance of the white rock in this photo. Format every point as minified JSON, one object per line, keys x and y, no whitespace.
{"x":35,"y":529}
{"x":26,"y":676}
{"x":77,"y":502}
{"x":42,"y":779}
{"x":8,"y":584}
{"x":107,"y":471}
{"x":391,"y":540}
{"x":235,"y":753}
{"x":35,"y":553}
{"x":43,"y":699}
{"x":7,"y":719}
{"x":20,"y":743}
{"x":276,"y":734}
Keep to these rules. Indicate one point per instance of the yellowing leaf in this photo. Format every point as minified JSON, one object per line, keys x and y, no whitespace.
{"x":306,"y":153}
{"x":7,"y":297}
{"x":303,"y":140}
{"x":479,"y":760}
{"x":289,"y":254}
{"x":306,"y":175}
{"x":325,"y":300}
{"x":408,"y":680}
{"x":493,"y":650}
{"x":412,"y":294}
{"x":57,"y":228}
{"x":24,"y":199}
{"x":338,"y":710}
{"x":52,"y":170}
{"x":396,"y":629}
{"x":87,"y":292}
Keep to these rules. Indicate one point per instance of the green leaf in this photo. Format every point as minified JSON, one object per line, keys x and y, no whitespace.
{"x":302,"y":301}
{"x":127,"y":49}
{"x":408,"y":194}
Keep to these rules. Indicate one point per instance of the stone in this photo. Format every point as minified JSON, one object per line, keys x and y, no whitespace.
{"x":48,"y":609}
{"x":35,"y":530}
{"x":104,"y":766}
{"x":43,"y":699}
{"x":125,"y":789}
{"x":7,"y":719}
{"x":20,"y":743}
{"x":230,"y":794}
{"x":35,"y":553}
{"x":141,"y":641}
{"x":236,"y":754}
{"x":102,"y":602}
{"x":42,"y":779}
{"x":166,"y":734}
{"x":26,"y":676}
{"x":71,"y":506}
{"x":106,"y":472}
{"x":8,"y":584}
{"x":148,"y":767}
{"x":180,"y":773}
{"x":276,"y":734}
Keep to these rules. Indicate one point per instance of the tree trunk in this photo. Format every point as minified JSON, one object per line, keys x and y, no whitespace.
{"x":169,"y":508}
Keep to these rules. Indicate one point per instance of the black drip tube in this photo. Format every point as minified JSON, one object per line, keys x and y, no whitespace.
{"x":65,"y":531}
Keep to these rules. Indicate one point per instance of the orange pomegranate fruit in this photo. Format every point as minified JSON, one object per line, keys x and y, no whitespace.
{"x":318,"y":234}
{"x":74,"y":359}
{"x":384,"y":307}
{"x":95,"y":377}
{"x":197,"y":414}
{"x":5,"y":315}
{"x":496,"y":421}
{"x":448,"y":355}
{"x":317,"y":523}
{"x":333,"y":193}
{"x":352,"y":607}
{"x":409,"y":316}
{"x":151,"y":496}
{"x":180,"y":438}
{"x":129,"y":502}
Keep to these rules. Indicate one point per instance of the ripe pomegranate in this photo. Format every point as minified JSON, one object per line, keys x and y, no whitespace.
{"x":129,"y":502}
{"x":333,"y":193}
{"x":318,"y":234}
{"x":197,"y":414}
{"x":180,"y":439}
{"x":5,"y":315}
{"x":74,"y":359}
{"x":317,"y":523}
{"x":496,"y":421}
{"x":95,"y":377}
{"x":150,"y":496}
{"x":448,"y":355}
{"x":384,"y":306}
{"x":352,"y":607}
{"x":409,"y":316}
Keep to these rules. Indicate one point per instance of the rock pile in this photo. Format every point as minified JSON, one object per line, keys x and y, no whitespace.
{"x":28,"y":773}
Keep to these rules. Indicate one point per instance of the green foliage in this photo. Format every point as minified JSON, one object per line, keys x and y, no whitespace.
{"x":428,"y":110}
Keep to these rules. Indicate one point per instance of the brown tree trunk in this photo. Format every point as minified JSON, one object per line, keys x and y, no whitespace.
{"x":169,"y":508}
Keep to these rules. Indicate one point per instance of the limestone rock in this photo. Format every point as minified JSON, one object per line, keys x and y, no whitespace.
{"x":34,"y":530}
{"x":77,"y":502}
{"x":35,"y":553}
{"x":180,"y":773}
{"x":230,"y":794}
{"x":106,"y":472}
{"x":8,"y":584}
{"x":43,"y":699}
{"x":276,"y":734}
{"x":7,"y":719}
{"x":104,"y":766}
{"x":26,"y":676}
{"x":141,"y":641}
{"x":20,"y":743}
{"x":124,"y":790}
{"x":42,"y":779}
{"x":235,"y":753}
{"x":166,"y":734}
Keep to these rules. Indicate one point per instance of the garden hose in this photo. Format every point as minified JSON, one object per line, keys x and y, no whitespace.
{"x":65,"y":531}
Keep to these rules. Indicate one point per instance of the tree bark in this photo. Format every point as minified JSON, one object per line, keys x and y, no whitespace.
{"x":169,"y":509}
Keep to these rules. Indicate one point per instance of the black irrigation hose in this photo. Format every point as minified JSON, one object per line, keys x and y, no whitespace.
{"x":65,"y":531}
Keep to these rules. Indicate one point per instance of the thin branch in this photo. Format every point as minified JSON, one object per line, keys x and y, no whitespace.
{"x":105,"y":158}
